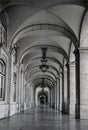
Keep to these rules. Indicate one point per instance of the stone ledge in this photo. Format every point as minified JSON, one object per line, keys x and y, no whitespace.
{"x":83,"y":49}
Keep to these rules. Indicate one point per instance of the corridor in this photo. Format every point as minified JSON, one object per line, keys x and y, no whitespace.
{"x":42,"y":118}
{"x":43,"y":64}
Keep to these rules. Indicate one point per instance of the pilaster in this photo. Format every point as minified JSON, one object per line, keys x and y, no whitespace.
{"x":83,"y":82}
{"x":58,"y":93}
{"x":77,"y":105}
{"x":72,"y":88}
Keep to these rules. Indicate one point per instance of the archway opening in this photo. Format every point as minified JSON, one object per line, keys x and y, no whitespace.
{"x":43,"y":99}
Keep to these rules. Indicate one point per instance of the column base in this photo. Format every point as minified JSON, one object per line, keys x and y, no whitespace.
{"x":84,"y":111}
{"x":58,"y":107}
{"x":72,"y":109}
{"x":77,"y":111}
{"x":65,"y":108}
{"x":53,"y":105}
{"x":22,"y":107}
{"x":68,"y":109}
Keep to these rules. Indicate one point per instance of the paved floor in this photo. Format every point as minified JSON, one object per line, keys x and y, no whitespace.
{"x":42,"y":118}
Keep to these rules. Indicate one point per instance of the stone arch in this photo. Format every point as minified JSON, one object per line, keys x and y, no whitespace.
{"x":84,"y":30}
{"x":64,"y":31}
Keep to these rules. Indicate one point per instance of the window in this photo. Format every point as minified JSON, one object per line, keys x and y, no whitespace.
{"x":14,"y":87}
{"x":2,"y":79}
{"x":3,"y":29}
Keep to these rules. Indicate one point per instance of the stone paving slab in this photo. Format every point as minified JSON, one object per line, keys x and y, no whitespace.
{"x":42,"y":118}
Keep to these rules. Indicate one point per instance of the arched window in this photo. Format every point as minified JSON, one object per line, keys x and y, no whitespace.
{"x":2,"y":79}
{"x":14,"y":87}
{"x":3,"y":30}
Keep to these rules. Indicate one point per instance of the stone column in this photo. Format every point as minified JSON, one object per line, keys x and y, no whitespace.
{"x":63,"y":102}
{"x":68,"y":87}
{"x":22,"y":91}
{"x":53,"y":97}
{"x":19,"y":87}
{"x":65,"y":91}
{"x":56,"y":96}
{"x":83,"y":83}
{"x":50,"y":97}
{"x":11,"y":78}
{"x":58,"y":93}
{"x":10,"y":81}
{"x":77,"y":106}
{"x":72,"y":89}
{"x":33,"y":100}
{"x":33,"y":96}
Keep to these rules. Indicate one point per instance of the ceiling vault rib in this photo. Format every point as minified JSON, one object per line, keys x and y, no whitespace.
{"x":52,"y":47}
{"x":44,"y":26}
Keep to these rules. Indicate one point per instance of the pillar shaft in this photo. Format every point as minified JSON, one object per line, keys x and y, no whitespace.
{"x":68,"y":88}
{"x":50,"y":98}
{"x":66,"y":110}
{"x":53,"y":97}
{"x":58,"y":94}
{"x":72,"y":89}
{"x":63,"y":101}
{"x":65,"y":87}
{"x":22,"y":91}
{"x":9,"y":83}
{"x":19,"y":88}
{"x":77,"y":106}
{"x":83,"y":83}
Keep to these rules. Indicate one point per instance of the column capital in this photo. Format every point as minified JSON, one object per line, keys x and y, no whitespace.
{"x":11,"y":49}
{"x":58,"y":77}
{"x":83,"y":49}
{"x":72,"y":63}
{"x":76,"y":52}
{"x":1,"y":44}
{"x":62,"y":72}
{"x":67,"y":65}
{"x":65,"y":72}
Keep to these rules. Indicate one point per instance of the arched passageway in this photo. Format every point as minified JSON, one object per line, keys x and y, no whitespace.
{"x":44,"y":56}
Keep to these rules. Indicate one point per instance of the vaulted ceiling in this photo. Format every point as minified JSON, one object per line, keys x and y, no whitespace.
{"x":36,"y":24}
